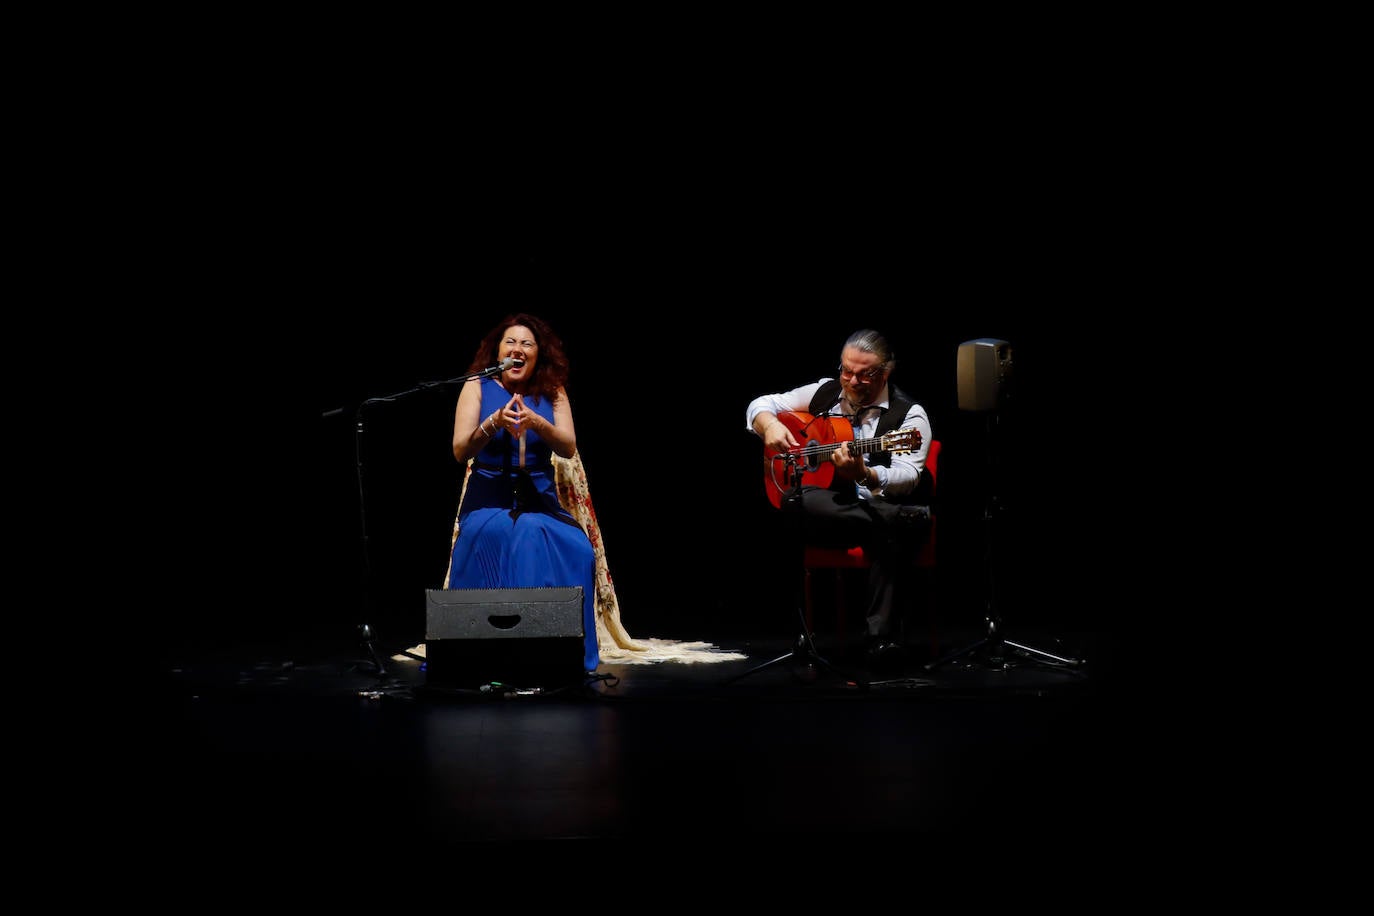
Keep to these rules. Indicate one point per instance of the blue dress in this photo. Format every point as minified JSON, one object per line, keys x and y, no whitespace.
{"x":512,"y":530}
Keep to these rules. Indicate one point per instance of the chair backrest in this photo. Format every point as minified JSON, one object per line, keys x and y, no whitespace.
{"x":926,"y":557}
{"x":838,"y":558}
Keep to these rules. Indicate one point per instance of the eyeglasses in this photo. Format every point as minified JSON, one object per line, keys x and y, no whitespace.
{"x":867,"y":375}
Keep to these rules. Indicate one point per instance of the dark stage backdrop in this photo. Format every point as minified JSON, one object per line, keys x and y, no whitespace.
{"x":307,"y":246}
{"x":279,"y":475}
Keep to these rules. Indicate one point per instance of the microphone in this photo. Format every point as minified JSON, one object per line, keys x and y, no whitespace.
{"x":827,"y":413}
{"x":502,"y":366}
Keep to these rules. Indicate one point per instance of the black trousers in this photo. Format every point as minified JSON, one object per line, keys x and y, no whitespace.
{"x":889,"y":533}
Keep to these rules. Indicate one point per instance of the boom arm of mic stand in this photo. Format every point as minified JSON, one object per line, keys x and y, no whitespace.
{"x":422,"y":386}
{"x":485,"y":373}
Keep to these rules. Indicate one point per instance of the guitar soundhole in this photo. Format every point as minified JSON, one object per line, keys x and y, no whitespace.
{"x":813,"y":457}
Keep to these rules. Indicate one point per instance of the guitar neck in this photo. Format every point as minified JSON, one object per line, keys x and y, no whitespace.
{"x":866,"y":446}
{"x":858,"y":446}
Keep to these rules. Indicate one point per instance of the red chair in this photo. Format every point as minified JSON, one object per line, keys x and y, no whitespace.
{"x":838,"y":560}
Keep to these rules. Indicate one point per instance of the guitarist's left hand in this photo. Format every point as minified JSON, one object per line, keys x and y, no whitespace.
{"x":850,"y":467}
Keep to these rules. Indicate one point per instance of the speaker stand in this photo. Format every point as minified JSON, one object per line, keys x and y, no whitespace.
{"x":992,"y":648}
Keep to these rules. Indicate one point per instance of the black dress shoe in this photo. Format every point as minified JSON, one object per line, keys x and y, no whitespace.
{"x":884,"y":657}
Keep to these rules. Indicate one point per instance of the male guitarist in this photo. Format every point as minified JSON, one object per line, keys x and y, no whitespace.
{"x":858,"y":444}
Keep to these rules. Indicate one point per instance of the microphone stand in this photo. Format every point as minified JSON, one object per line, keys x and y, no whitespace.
{"x":365,"y":633}
{"x":803,"y":651}
{"x":485,"y":373}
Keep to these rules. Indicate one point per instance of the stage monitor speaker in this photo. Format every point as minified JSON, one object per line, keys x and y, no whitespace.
{"x":519,"y":637}
{"x":984,"y":373}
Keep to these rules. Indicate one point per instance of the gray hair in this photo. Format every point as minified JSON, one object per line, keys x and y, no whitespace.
{"x":871,"y":341}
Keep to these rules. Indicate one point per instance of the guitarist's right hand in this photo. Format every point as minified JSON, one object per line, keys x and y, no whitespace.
{"x":777,"y":438}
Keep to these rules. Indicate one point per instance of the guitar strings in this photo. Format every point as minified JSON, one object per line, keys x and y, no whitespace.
{"x":865,"y":445}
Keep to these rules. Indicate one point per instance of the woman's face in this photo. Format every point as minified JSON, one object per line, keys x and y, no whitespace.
{"x":519,"y":343}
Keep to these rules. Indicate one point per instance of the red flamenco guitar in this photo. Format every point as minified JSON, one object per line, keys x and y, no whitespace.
{"x":819,"y":437}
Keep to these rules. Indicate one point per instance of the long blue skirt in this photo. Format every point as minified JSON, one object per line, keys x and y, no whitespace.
{"x":533,"y":550}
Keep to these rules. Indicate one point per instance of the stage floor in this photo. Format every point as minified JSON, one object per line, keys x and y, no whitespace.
{"x":261,"y":745}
